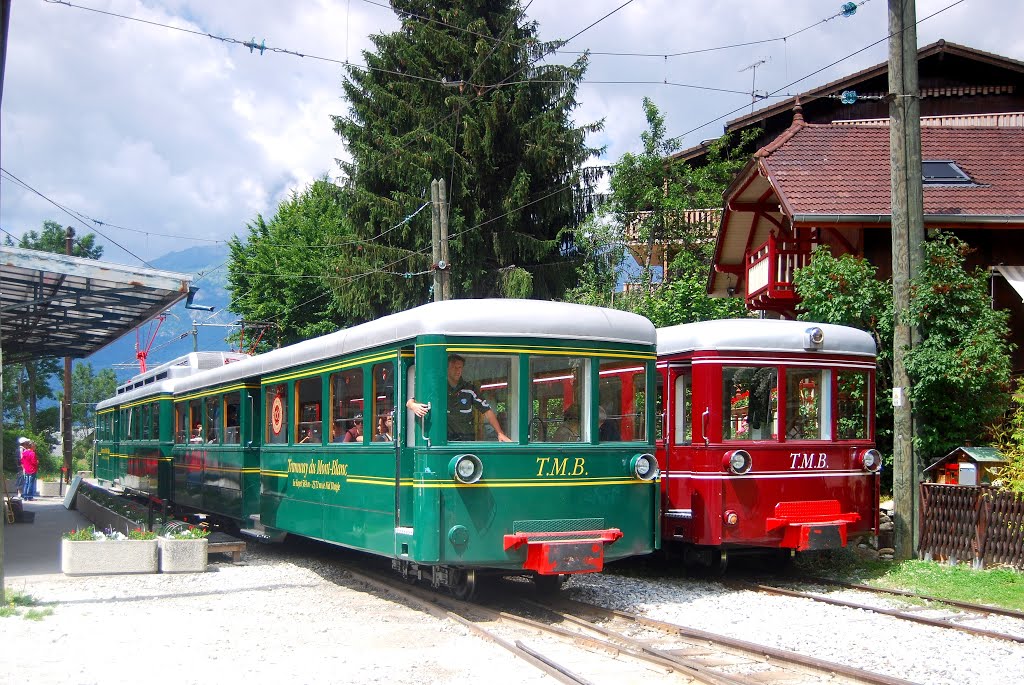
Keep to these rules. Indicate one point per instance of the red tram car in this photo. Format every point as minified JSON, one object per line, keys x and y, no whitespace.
{"x":767,"y":442}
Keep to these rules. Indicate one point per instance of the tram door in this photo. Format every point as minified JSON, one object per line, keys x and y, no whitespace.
{"x":681,"y":500}
{"x":405,"y":444}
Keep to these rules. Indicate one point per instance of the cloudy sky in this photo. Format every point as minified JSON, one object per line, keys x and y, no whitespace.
{"x":173,"y":139}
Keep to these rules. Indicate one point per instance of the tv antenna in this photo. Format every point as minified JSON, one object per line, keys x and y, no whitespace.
{"x":754,"y":95}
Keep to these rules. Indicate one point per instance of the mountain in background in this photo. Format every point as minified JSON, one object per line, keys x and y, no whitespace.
{"x":208,"y":267}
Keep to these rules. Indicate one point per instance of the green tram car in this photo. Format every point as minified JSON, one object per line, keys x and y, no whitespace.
{"x":134,"y":440}
{"x":533,"y":454}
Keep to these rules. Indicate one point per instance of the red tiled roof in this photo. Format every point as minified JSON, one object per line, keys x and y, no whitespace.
{"x":828,"y":169}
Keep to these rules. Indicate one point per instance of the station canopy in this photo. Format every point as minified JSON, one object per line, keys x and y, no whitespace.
{"x":54,"y":305}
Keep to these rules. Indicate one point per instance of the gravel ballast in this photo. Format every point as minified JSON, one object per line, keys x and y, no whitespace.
{"x":286,"y":617}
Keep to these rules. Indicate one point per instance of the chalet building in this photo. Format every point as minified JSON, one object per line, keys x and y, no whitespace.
{"x":954,"y":80}
{"x":821,"y":177}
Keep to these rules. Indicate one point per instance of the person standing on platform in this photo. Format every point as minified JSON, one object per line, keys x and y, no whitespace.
{"x":30,"y":464}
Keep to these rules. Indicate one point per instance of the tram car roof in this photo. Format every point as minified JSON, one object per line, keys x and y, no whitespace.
{"x":763,"y":335}
{"x":499,"y":318}
{"x":164,"y":377}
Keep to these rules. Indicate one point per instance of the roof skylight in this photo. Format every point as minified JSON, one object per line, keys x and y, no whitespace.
{"x":943,"y":172}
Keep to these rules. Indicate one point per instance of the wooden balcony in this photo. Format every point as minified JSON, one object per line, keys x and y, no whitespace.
{"x":662,"y":251}
{"x":769,"y":273}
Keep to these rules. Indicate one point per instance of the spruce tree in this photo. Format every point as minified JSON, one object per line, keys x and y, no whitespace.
{"x":457,"y":93}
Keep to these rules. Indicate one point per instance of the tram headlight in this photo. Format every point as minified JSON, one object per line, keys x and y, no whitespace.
{"x":644,"y":466}
{"x":466,"y":468}
{"x":814,"y":338}
{"x":737,"y":462}
{"x":871,"y":460}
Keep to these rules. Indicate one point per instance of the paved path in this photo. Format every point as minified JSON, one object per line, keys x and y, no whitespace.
{"x":32,"y":549}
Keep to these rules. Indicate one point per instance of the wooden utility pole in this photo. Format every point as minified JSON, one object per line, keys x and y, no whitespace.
{"x":69,"y":238}
{"x":439,"y":235}
{"x":435,"y":235}
{"x":445,"y":265}
{"x":907,"y":258}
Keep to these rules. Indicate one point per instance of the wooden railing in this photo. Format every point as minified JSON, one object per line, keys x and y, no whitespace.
{"x":770,"y":271}
{"x":690,"y":218}
{"x":978,"y":524}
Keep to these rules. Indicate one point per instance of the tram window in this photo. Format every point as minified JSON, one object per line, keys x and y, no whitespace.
{"x":144,"y":413}
{"x":180,"y":423}
{"x":638,"y":431}
{"x":659,"y":407}
{"x":277,"y":414}
{"x":621,"y":391}
{"x":347,"y":407}
{"x":383,"y":403}
{"x":232,"y":403}
{"x":807,"y":404}
{"x":308,"y":393}
{"x":852,"y":405}
{"x":683,"y":395}
{"x":154,"y":421}
{"x":559,"y":399}
{"x":750,"y":403}
{"x":131,"y":427}
{"x":213,"y":419}
{"x":195,"y":421}
{"x":485,"y":384}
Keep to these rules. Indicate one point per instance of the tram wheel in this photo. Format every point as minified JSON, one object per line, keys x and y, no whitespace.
{"x":548,"y":585}
{"x":464,"y":586}
{"x":706,"y":561}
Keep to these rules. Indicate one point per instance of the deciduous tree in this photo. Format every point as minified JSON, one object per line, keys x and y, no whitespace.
{"x":289,"y":268}
{"x":960,"y":371}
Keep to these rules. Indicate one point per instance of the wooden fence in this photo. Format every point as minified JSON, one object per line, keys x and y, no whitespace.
{"x":982,"y":525}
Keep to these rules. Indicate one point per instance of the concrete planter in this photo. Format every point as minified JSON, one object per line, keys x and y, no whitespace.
{"x":107,"y":557}
{"x":103,"y":518}
{"x":183,"y":556}
{"x":49,"y":488}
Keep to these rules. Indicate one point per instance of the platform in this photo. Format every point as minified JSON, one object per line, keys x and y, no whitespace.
{"x":32,"y":549}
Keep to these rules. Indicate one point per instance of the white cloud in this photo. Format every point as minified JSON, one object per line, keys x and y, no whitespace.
{"x":171,"y":132}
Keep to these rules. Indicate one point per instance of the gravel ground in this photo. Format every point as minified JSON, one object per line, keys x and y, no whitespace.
{"x":267,"y":621}
{"x":866,"y":640}
{"x":288,"y":615}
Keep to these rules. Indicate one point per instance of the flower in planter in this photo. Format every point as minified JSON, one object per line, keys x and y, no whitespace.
{"x":84,"y":534}
{"x":141,"y":534}
{"x":89,"y":533}
{"x":190,"y":533}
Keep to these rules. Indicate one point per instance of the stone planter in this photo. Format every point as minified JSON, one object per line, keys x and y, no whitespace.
{"x":183,"y":556}
{"x":91,"y":557}
{"x":103,"y":518}
{"x":49,"y":488}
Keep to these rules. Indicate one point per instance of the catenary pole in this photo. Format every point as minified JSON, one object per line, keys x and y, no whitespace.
{"x":445,"y":266}
{"x":5,"y":16}
{"x":435,"y":235}
{"x":907,"y":258}
{"x":69,"y":238}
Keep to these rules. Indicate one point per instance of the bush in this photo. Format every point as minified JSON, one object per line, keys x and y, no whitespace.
{"x":1008,"y":438}
{"x":960,"y":372}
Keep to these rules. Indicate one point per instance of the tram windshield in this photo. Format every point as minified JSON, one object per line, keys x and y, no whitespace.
{"x":563,"y":405}
{"x":820,"y":404}
{"x":750,"y":403}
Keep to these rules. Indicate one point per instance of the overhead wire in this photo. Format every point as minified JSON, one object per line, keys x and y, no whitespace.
{"x":777,"y":91}
{"x":28,"y":187}
{"x":251,"y":46}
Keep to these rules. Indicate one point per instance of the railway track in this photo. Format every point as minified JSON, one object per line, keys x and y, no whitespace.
{"x":580,"y":643}
{"x":950,"y":614}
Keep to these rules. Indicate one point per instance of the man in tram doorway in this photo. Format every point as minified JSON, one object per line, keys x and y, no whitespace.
{"x":463,"y":400}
